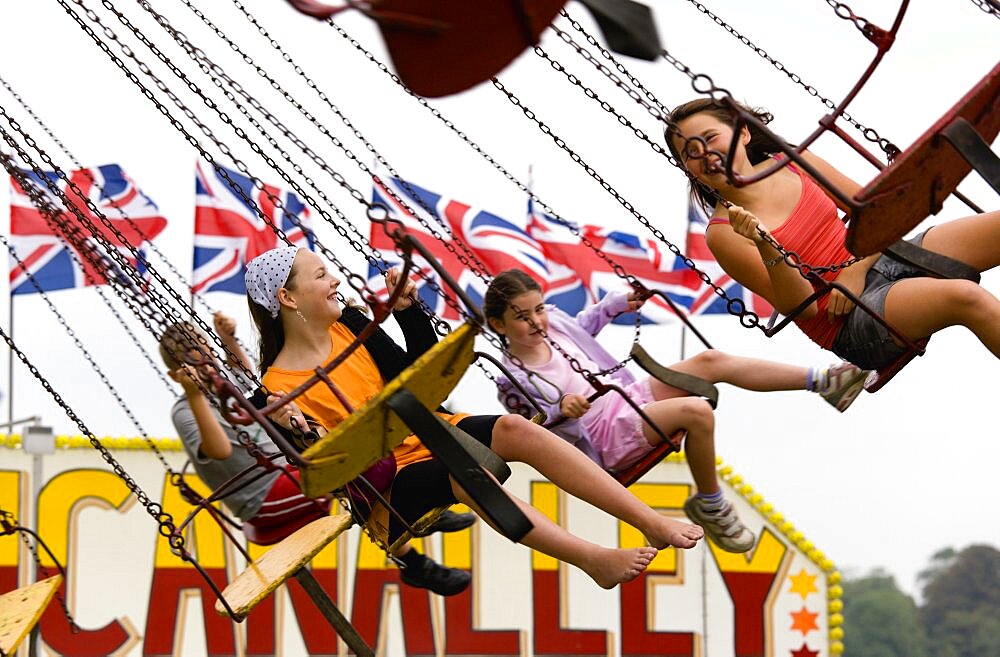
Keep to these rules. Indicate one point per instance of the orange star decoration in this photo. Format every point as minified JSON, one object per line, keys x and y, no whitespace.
{"x":804,"y":651}
{"x":803,"y":583}
{"x":804,"y":621}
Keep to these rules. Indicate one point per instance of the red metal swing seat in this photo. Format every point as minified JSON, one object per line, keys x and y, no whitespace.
{"x":916,"y":184}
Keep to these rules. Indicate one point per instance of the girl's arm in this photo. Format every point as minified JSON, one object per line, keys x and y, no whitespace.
{"x":598,"y":315}
{"x":214,"y":442}
{"x":757,"y":265}
{"x":418,"y":332}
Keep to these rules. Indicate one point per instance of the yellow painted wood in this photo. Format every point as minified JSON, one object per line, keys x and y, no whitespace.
{"x":282,"y":561}
{"x":373,"y":430}
{"x":21,"y":608}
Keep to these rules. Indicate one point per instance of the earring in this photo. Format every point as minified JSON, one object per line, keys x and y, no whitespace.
{"x":301,"y":316}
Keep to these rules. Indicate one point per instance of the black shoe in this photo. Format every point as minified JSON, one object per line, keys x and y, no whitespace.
{"x":449,"y":521}
{"x":437,"y":578}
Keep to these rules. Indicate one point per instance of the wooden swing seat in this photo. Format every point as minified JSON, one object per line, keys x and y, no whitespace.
{"x":272,"y":535}
{"x":916,"y":184}
{"x":21,"y":609}
{"x":281,"y":562}
{"x":372,"y":431}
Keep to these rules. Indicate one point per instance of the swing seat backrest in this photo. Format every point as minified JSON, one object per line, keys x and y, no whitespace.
{"x":916,"y":184}
{"x":372,"y":431}
{"x":446,"y":46}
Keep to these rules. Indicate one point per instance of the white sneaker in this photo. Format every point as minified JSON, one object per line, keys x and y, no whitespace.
{"x":724,"y":527}
{"x":841,"y":384}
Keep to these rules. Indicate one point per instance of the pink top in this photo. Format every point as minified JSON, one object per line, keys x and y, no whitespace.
{"x":815,"y":232}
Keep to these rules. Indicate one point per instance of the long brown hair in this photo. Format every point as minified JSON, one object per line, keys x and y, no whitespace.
{"x":760,"y":147}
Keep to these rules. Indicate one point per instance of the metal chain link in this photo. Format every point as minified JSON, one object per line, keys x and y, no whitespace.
{"x":734,"y":306}
{"x":988,"y":6}
{"x":652,"y":104}
{"x":122,"y":265}
{"x":846,"y":13}
{"x":605,"y":105}
{"x":749,"y":318}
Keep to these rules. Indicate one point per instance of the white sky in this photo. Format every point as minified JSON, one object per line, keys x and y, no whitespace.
{"x":902,"y":474}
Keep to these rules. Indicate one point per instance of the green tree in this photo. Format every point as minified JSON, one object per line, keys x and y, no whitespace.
{"x":880,"y":620}
{"x":961,"y":610}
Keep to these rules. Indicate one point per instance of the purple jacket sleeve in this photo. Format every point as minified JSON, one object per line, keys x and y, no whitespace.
{"x":595,"y":317}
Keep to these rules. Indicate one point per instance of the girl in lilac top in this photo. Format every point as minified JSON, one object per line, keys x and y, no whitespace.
{"x":608,"y":430}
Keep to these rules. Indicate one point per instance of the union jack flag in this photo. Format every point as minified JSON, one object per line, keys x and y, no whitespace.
{"x":495,"y":242}
{"x":580,"y":276}
{"x":705,"y":300}
{"x":56,"y":263}
{"x":229,"y":232}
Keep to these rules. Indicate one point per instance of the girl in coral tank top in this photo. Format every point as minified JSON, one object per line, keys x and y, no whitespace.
{"x":799,"y":215}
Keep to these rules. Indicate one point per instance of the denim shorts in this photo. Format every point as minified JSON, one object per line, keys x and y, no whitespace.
{"x":862,"y":340}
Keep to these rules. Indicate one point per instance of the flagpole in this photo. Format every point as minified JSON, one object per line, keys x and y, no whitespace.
{"x":687,"y":241}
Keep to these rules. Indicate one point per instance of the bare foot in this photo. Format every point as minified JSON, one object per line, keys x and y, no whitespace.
{"x":612,"y":567}
{"x":674,"y":532}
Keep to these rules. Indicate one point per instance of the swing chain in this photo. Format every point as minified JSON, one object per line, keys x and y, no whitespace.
{"x":734,"y":306}
{"x":605,"y":105}
{"x":844,"y":12}
{"x":355,"y":281}
{"x":375,"y":257}
{"x":76,"y":163}
{"x":988,"y":6}
{"x":87,"y":355}
{"x":165,"y":521}
{"x":659,"y":111}
{"x":469,"y":259}
{"x":362,"y":289}
{"x":890,"y":150}
{"x":123,"y":266}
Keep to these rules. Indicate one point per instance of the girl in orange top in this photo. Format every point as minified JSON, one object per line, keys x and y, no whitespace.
{"x":803,"y":218}
{"x":301,"y":323}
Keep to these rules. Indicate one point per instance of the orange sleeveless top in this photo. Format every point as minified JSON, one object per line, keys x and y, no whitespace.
{"x":359,"y":379}
{"x":815,"y":232}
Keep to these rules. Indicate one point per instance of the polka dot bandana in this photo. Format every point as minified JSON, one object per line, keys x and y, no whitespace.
{"x":268,"y":273}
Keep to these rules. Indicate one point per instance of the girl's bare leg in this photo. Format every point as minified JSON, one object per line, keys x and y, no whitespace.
{"x":973,"y":240}
{"x":922,"y":306}
{"x":748,"y":373}
{"x":693,"y":415}
{"x":606,"y":566}
{"x":517,"y":439}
